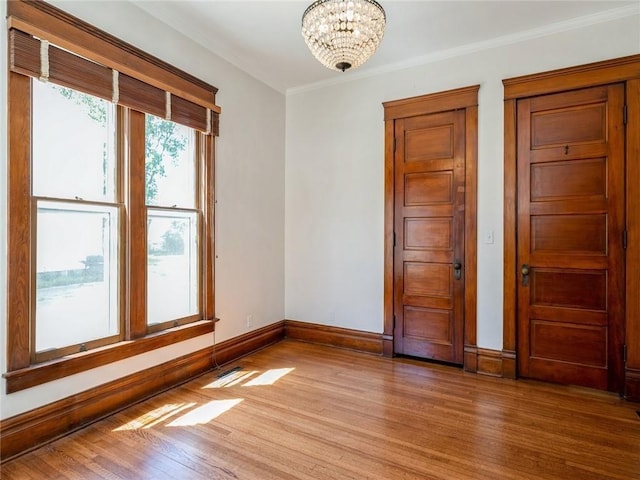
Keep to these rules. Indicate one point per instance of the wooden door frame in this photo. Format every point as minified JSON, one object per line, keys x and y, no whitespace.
{"x":627,"y":70}
{"x":462,"y":98}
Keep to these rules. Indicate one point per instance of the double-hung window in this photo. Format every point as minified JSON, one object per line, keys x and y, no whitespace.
{"x":172,"y":223}
{"x":76,"y":225}
{"x":110,"y":204}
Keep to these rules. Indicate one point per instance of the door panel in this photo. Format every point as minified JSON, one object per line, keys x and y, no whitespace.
{"x":570,"y":224}
{"x":569,"y":234}
{"x":568,"y":126}
{"x":589,"y":342}
{"x":429,"y":144}
{"x":428,"y":234}
{"x":429,"y":226}
{"x":428,"y":323}
{"x":566,"y":179}
{"x":428,"y":188}
{"x":427,"y":280}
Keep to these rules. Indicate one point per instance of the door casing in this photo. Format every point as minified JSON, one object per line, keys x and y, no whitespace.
{"x":627,"y":70}
{"x":462,"y":98}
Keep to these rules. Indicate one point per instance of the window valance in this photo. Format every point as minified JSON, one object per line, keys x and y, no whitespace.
{"x":71,"y":53}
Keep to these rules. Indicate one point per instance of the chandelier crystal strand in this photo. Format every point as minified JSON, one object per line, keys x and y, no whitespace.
{"x":343,"y":34}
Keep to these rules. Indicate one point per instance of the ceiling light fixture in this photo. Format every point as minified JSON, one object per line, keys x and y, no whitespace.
{"x":343,"y":34}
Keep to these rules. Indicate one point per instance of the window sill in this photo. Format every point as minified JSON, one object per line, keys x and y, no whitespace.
{"x":80,"y":362}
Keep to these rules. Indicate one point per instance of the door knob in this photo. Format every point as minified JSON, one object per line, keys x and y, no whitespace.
{"x":525,"y":274}
{"x":457,"y":270}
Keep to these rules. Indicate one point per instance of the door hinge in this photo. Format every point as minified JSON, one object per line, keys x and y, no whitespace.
{"x":394,"y":239}
{"x":624,"y":352}
{"x":395,"y":144}
{"x":625,"y":239}
{"x":624,"y":114}
{"x":394,"y":320}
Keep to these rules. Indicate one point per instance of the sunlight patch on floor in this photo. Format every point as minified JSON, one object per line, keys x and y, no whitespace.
{"x":237,"y":378}
{"x":205,"y":413}
{"x":190,"y":414}
{"x":155,"y":416}
{"x":269,"y":377}
{"x":231,"y":379}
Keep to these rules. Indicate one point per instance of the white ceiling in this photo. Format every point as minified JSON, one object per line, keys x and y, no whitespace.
{"x":263,"y":37}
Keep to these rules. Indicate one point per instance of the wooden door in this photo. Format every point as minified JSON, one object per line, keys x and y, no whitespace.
{"x":429,"y":165}
{"x":570,"y":237}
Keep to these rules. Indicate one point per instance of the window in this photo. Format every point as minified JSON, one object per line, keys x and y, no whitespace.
{"x":110,"y":200}
{"x":172,"y":223}
{"x":76,"y":222}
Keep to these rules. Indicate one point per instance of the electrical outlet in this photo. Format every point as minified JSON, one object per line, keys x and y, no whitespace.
{"x":249,"y":321}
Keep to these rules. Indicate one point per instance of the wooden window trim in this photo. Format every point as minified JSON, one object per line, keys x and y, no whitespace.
{"x":136,"y":256}
{"x":43,"y":20}
{"x":73,"y":71}
{"x":206,"y":171}
{"x":462,"y":98}
{"x":624,"y":69}
{"x":18,"y":229}
{"x":138,"y":337}
{"x":62,"y":367}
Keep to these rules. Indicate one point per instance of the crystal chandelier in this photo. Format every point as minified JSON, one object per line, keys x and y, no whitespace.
{"x":343,"y":34}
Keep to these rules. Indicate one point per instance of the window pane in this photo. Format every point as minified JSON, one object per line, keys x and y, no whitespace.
{"x":170,"y":164}
{"x":73,"y":144}
{"x":172,"y":265}
{"x":76,"y":274}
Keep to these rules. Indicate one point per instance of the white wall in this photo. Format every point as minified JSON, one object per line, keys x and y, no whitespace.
{"x":249,"y":189}
{"x":335,"y":174}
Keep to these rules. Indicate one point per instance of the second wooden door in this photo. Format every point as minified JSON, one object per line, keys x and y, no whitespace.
{"x":571,"y":220}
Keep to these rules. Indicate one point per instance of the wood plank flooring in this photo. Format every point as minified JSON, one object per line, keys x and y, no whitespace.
{"x":302,"y":411}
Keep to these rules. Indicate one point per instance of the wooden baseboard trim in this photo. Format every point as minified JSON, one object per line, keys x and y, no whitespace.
{"x":470,"y":359}
{"x":27,"y":431}
{"x":334,"y":336}
{"x":494,"y":363}
{"x":387,"y":345}
{"x":509,"y":364}
{"x":238,"y":347}
{"x":31,"y":429}
{"x":632,"y":385}
{"x":490,"y":362}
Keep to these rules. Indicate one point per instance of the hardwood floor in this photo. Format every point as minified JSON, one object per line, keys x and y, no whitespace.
{"x":303,"y":411}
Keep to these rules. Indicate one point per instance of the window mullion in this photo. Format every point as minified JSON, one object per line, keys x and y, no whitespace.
{"x":136,"y":227}
{"x":121,"y":198}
